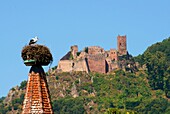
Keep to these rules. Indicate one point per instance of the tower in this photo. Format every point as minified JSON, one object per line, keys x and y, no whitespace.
{"x":37,"y":97}
{"x":74,"y":50}
{"x":121,"y":45}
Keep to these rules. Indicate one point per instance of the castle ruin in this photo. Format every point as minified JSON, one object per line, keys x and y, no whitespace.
{"x":93,"y":58}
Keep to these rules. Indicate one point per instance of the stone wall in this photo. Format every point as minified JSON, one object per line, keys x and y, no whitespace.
{"x":93,"y":58}
{"x":97,"y":63}
{"x":80,"y":65}
{"x":113,"y":54}
{"x":73,"y":65}
{"x":74,"y":50}
{"x":65,"y":65}
{"x":93,"y":50}
{"x":121,"y":45}
{"x":112,"y":65}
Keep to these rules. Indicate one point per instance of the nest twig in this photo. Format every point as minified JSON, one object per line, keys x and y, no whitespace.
{"x":40,"y":53}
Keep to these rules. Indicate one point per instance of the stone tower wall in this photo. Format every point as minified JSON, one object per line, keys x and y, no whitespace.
{"x":121,"y":45}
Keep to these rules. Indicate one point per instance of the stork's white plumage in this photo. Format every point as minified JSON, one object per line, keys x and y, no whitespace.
{"x":33,"y":40}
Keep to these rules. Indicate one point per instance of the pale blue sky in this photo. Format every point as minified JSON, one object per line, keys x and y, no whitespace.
{"x":62,"y":23}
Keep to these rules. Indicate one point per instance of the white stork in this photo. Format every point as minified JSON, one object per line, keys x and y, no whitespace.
{"x":33,"y":40}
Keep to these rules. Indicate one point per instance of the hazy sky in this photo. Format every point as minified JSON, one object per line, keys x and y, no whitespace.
{"x":62,"y":23}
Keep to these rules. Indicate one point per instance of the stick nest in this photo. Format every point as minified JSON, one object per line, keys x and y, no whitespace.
{"x":40,"y":53}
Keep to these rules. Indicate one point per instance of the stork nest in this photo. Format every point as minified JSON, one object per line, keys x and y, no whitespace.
{"x":40,"y":53}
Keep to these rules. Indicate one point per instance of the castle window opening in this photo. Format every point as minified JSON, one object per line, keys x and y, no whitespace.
{"x":72,"y":65}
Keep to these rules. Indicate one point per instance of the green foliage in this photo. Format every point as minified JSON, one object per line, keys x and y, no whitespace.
{"x":1,"y":99}
{"x":120,"y":73}
{"x":3,"y":110}
{"x":13,"y":89}
{"x":113,"y":111}
{"x":140,"y":59}
{"x":47,"y":73}
{"x":157,"y":60}
{"x":68,"y":106}
{"x":153,"y":106}
{"x":71,"y":57}
{"x":121,"y":92}
{"x":124,"y":90}
{"x":17,"y":102}
{"x":118,"y":111}
{"x":23,"y":85}
{"x":125,"y":57}
{"x":55,"y":67}
{"x":77,"y":81}
{"x":22,"y":97}
{"x":78,"y":53}
{"x":56,"y":77}
{"x":87,"y":87}
{"x":156,"y":65}
{"x":86,"y":49}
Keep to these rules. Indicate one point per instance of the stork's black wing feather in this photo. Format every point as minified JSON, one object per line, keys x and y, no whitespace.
{"x":31,"y":42}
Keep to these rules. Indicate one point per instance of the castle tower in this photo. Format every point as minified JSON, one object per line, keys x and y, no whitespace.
{"x":121,"y":45}
{"x":37,"y":97}
{"x":74,"y":50}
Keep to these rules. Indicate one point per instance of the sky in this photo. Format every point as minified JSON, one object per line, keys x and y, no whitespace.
{"x":62,"y":23}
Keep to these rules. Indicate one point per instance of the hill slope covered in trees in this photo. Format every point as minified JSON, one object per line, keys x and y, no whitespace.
{"x":157,"y":60}
{"x":144,"y":91}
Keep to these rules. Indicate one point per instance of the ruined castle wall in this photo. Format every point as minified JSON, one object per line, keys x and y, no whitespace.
{"x":82,"y":55}
{"x":72,"y":65}
{"x":113,"y":54}
{"x":97,"y":63}
{"x":65,"y":65}
{"x":74,"y":50}
{"x":112,"y":65}
{"x":93,"y":50}
{"x":80,"y":65}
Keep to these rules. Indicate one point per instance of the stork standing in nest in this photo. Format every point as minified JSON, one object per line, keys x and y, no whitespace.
{"x":33,"y":40}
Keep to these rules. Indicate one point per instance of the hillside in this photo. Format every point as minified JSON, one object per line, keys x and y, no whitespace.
{"x":79,"y":92}
{"x":144,"y":91}
{"x":157,"y":61}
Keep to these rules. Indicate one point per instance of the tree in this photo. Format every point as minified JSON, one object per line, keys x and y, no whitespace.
{"x":23,"y":84}
{"x":156,"y":65}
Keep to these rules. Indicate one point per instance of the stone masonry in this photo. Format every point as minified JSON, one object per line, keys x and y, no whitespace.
{"x":74,"y":50}
{"x":121,"y":43}
{"x":97,"y":63}
{"x":93,"y":58}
